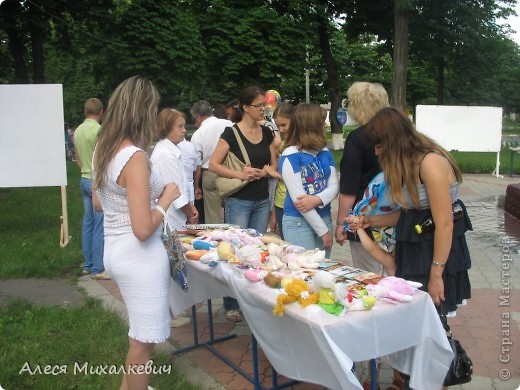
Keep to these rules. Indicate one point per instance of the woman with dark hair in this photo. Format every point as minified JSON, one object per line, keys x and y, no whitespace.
{"x":248,"y":207}
{"x":133,"y":199}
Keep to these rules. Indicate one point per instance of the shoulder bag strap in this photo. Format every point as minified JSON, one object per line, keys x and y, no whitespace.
{"x":242,"y":147}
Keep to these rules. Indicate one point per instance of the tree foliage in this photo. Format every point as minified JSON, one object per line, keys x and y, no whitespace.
{"x":210,"y":49}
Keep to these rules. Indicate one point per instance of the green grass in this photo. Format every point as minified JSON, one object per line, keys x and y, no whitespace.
{"x":30,"y":230}
{"x":30,"y":247}
{"x":472,"y":162}
{"x":64,"y":340}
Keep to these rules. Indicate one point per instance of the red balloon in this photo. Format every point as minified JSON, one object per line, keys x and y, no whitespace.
{"x":270,"y":98}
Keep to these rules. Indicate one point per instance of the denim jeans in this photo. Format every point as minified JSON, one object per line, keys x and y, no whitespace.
{"x":297,"y":231}
{"x":246,"y":214}
{"x":92,"y":239}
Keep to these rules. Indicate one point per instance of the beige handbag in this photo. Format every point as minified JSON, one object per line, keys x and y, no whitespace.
{"x":227,"y":186}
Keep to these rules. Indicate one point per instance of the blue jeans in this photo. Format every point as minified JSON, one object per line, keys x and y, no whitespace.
{"x":246,"y":214}
{"x":297,"y":231}
{"x":92,"y":239}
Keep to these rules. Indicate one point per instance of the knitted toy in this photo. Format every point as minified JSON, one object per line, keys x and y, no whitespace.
{"x":297,"y":290}
{"x":324,"y":282}
{"x":396,"y":289}
{"x":250,"y":256}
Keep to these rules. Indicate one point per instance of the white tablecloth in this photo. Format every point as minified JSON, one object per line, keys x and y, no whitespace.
{"x":314,"y":346}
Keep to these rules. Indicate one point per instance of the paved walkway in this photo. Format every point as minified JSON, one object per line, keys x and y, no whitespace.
{"x":488,"y":327}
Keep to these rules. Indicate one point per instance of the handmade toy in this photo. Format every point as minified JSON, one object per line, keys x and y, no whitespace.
{"x":202,"y":244}
{"x":195,"y":254}
{"x":249,"y":255}
{"x":272,"y":280}
{"x":209,"y":257}
{"x":286,"y":280}
{"x":354,"y":296}
{"x":296,"y":291}
{"x":255,"y":275}
{"x":226,"y":252}
{"x":323,"y":283}
{"x":393,"y":288}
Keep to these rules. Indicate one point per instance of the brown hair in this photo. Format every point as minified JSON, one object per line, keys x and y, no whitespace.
{"x":93,"y":106}
{"x":402,"y":146}
{"x":166,"y":120}
{"x":306,"y":129}
{"x":246,"y":97}
{"x":284,"y":109}
{"x":131,"y":114}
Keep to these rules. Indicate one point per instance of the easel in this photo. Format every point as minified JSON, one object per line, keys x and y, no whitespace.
{"x":64,"y":219}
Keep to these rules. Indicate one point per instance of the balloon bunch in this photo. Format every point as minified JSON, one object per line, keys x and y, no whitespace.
{"x":272,"y":100}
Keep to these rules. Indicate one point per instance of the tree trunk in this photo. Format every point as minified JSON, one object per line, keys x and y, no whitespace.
{"x":333,"y":76}
{"x":400,"y":54}
{"x":10,"y":16}
{"x":440,"y":81}
{"x":37,"y":26}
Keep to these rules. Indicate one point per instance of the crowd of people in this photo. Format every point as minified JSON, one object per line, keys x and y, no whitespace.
{"x":131,"y":184}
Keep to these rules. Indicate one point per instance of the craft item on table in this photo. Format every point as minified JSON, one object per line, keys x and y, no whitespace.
{"x":241,"y":236}
{"x":296,"y":291}
{"x":249,"y":255}
{"x":255,"y":275}
{"x":324,"y":284}
{"x":391,"y":287}
{"x":272,"y":280}
{"x":369,"y":278}
{"x":343,"y":270}
{"x":209,"y":257}
{"x":286,"y":280}
{"x":209,"y":226}
{"x":186,"y":239}
{"x":268,"y":239}
{"x":310,"y":259}
{"x":226,"y":252}
{"x":195,"y":254}
{"x":354,"y":296}
{"x":202,"y":244}
{"x":355,"y":273}
{"x":327,"y":264}
{"x":273,"y":263}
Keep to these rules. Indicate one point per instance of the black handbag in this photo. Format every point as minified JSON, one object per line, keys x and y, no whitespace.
{"x":461,"y":366}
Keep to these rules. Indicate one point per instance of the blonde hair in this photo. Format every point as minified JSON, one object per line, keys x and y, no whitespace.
{"x":306,"y":129}
{"x":402,"y":146}
{"x":365,"y":99}
{"x":166,"y":120}
{"x":131,"y":114}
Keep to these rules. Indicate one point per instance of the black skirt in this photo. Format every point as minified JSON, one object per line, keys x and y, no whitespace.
{"x":414,"y":256}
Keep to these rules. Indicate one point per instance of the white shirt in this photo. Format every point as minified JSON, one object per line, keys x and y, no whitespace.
{"x":166,"y":159}
{"x":206,"y":137}
{"x":190,"y":161}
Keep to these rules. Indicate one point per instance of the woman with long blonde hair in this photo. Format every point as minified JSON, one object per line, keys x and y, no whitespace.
{"x":133,"y":199}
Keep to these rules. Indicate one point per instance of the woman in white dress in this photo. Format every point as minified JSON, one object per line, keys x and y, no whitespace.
{"x":133,"y":199}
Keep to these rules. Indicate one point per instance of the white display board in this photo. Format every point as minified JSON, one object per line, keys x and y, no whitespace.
{"x":462,"y":128}
{"x":32,"y":138}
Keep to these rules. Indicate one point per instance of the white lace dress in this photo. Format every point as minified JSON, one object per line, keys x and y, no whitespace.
{"x":140,"y":269}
